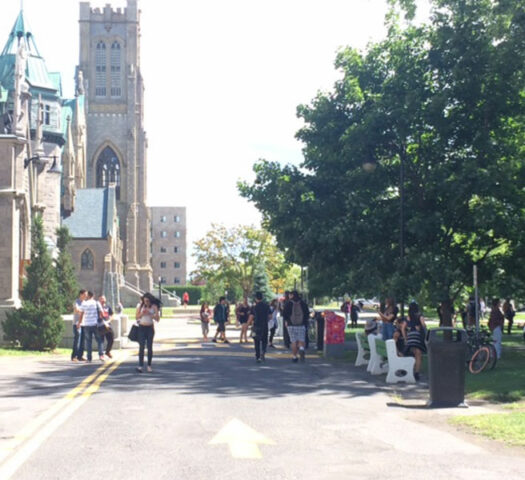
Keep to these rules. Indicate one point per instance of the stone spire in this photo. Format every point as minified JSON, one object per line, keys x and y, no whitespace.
{"x":68,"y":173}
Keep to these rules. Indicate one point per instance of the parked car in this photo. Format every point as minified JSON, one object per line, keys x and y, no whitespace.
{"x":371,"y":304}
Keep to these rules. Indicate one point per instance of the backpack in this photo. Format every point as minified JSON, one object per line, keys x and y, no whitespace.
{"x":296,"y":318}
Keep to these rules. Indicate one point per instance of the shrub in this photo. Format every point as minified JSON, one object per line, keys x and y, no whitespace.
{"x":38,"y":325}
{"x":194,"y":291}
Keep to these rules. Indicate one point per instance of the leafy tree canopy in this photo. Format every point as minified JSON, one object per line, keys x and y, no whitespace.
{"x":228,"y":257}
{"x":435,"y":112}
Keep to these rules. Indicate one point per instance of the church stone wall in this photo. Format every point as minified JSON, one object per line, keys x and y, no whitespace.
{"x":90,"y":279}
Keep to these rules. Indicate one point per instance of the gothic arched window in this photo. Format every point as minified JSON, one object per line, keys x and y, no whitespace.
{"x":100,"y":68}
{"x":116,"y":88}
{"x":108,"y":170}
{"x":86,"y":260}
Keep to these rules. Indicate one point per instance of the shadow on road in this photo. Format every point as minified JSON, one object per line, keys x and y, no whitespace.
{"x":226,"y":371}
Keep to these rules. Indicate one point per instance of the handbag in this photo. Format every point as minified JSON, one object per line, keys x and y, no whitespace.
{"x":133,"y":334}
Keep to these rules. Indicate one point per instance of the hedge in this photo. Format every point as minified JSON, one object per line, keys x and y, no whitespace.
{"x":194,"y":291}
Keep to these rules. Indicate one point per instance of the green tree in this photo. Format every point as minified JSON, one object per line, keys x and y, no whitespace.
{"x":65,"y":271}
{"x":227,"y":258}
{"x":38,"y":325}
{"x":445,"y":101}
{"x":261,"y":282}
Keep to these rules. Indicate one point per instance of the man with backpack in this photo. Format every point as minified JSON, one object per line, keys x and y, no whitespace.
{"x":295,"y":318}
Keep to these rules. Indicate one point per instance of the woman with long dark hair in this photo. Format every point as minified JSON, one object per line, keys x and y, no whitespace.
{"x":147,"y":315}
{"x":414,"y":335}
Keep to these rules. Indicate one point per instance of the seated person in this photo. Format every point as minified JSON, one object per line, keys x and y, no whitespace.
{"x":398,"y":336}
{"x":371,"y":327}
{"x":414,"y":336}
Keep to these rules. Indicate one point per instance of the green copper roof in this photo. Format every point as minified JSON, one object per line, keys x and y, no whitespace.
{"x":36,"y":71}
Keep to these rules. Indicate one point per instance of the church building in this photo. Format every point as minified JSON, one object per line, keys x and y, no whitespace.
{"x":81,"y":161}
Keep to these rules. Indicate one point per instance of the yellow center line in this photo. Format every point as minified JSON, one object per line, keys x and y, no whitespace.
{"x":36,"y":432}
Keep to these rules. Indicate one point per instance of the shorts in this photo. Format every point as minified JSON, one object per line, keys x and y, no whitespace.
{"x":243,"y":320}
{"x":221,"y":326}
{"x":297,"y":333}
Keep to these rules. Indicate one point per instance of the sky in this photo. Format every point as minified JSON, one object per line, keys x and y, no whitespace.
{"x":223,"y":80}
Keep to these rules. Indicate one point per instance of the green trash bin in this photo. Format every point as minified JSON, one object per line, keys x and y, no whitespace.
{"x":447,"y":350}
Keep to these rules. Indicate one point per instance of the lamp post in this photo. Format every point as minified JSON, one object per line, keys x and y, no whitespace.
{"x":160,"y":295}
{"x":39,"y":159}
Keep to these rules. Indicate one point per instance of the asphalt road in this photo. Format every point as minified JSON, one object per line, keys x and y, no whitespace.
{"x":211,"y":412}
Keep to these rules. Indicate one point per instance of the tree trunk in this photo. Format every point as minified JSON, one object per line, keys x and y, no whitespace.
{"x":446,"y":312}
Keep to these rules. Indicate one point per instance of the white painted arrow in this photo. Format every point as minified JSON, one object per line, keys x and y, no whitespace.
{"x":243,"y":440}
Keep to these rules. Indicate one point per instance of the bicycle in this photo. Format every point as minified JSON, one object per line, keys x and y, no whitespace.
{"x":482,"y":353}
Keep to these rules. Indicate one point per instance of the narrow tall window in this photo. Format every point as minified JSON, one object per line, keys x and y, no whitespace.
{"x":47,"y":115}
{"x":100,"y":70}
{"x":116,"y":85}
{"x":108,"y":170}
{"x":86,"y":260}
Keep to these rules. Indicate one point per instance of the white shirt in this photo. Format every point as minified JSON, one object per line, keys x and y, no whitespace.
{"x":90,"y":318}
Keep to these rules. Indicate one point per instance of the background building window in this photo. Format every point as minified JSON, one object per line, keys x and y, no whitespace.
{"x":100,"y":70}
{"x":163,"y":280}
{"x":108,"y":170}
{"x":177,"y":234}
{"x":176,"y":280}
{"x":162,"y":264}
{"x":176,"y":265}
{"x":47,"y":115}
{"x":163,"y":219}
{"x":162,"y":249}
{"x":116,"y":89}
{"x":175,"y":249}
{"x":87,"y":261}
{"x":163,"y":234}
{"x":176,"y":219}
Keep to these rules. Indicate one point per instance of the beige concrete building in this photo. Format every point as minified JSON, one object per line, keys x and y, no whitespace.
{"x":168,"y":244}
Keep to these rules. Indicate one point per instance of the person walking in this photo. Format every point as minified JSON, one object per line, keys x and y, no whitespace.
{"x":185,"y":299}
{"x":89,"y":320}
{"x":259,"y":321}
{"x":243,"y":314}
{"x":282,"y":306}
{"x":205,"y":320}
{"x":496,"y":322}
{"x":104,"y":329}
{"x":510,"y":313}
{"x":272,"y":322}
{"x":295,"y":317}
{"x":219,"y":317}
{"x":148,"y":313}
{"x":346,"y":308}
{"x":78,"y":331}
{"x":354,"y":314}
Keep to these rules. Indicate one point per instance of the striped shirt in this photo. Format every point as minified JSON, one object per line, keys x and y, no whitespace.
{"x":89,"y":307}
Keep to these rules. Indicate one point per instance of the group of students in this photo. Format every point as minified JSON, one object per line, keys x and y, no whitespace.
{"x":91,"y":318}
{"x":262,"y":318}
{"x":408,"y":333}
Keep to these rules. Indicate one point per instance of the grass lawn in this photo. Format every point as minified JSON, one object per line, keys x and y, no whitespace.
{"x":506,"y":383}
{"x":505,"y":427}
{"x":18,"y":352}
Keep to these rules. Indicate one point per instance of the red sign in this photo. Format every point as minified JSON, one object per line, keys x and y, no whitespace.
{"x":334,"y":330}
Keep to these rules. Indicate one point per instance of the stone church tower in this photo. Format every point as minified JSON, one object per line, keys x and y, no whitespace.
{"x":116,"y":141}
